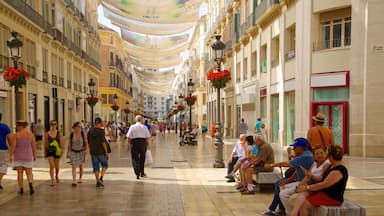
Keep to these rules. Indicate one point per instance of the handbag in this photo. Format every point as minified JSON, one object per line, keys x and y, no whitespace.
{"x":148,"y":157}
{"x":55,"y":145}
{"x":108,"y":146}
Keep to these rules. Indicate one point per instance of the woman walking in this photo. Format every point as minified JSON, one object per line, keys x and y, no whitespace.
{"x":23,"y":153}
{"x":77,"y":148}
{"x":52,"y":156}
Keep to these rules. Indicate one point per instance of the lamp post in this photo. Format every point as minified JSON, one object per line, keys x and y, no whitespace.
{"x":218,"y":47}
{"x":127,"y":113}
{"x":190,"y":89}
{"x":91,"y":85}
{"x":181,"y":123}
{"x":115,"y":102}
{"x":175,"y":108}
{"x":14,"y":45}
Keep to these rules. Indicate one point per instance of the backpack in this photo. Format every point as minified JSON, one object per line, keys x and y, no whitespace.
{"x":82,"y":136}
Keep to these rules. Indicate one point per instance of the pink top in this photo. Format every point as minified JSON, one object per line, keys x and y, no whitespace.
{"x":23,"y":151}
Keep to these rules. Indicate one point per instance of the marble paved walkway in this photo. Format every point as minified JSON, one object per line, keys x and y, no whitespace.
{"x":180,"y":182}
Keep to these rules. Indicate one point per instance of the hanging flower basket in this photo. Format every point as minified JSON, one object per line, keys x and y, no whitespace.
{"x":92,"y":100}
{"x":219,"y":79}
{"x":126,"y":110}
{"x":181,"y":107}
{"x":190,"y":100}
{"x":16,"y":76}
{"x":115,"y":107}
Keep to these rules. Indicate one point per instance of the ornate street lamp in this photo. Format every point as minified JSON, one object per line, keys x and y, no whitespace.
{"x":218,"y":47}
{"x":190,"y":104}
{"x":116,"y":108}
{"x":127,"y":111}
{"x":14,"y":45}
{"x":181,"y":123}
{"x":175,"y":108}
{"x":92,"y":100}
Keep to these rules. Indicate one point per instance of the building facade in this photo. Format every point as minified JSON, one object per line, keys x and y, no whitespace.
{"x":116,"y":77}
{"x":61,"y":53}
{"x":293,"y":58}
{"x":155,"y":106}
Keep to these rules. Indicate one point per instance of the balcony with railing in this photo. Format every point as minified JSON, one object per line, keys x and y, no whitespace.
{"x":54,"y":79}
{"x":61,"y":81}
{"x":45,"y":76}
{"x":291,"y":54}
{"x":331,"y":44}
{"x":264,"y":7}
{"x":69,"y":84}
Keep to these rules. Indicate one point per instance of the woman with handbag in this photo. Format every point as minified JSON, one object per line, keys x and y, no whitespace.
{"x":23,"y":153}
{"x":53,"y":151}
{"x":77,"y":148}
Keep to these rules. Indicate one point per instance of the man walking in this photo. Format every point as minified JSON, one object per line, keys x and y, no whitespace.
{"x":39,"y":132}
{"x":138,"y":136}
{"x":5,"y":136}
{"x":99,"y":151}
{"x":243,"y":127}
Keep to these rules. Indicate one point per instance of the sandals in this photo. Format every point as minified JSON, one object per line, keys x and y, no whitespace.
{"x":74,"y":185}
{"x":247,"y":192}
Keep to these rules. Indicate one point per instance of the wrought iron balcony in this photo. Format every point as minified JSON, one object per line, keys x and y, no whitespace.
{"x":54,"y":79}
{"x":69,"y":84}
{"x":45,"y":76}
{"x":263,"y":7}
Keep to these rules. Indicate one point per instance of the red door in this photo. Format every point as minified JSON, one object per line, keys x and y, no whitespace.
{"x":336,"y":119}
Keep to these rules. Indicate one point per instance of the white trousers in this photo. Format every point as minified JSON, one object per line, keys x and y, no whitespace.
{"x":285,"y":193}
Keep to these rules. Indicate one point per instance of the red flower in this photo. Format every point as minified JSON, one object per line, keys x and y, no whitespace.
{"x":181,"y":107}
{"x":190,"y":100}
{"x":219,"y":79}
{"x":16,"y":76}
{"x":115,"y":107}
{"x":92,"y":100}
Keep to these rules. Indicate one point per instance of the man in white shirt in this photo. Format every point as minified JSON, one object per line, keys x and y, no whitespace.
{"x":237,"y":152}
{"x":138,"y":136}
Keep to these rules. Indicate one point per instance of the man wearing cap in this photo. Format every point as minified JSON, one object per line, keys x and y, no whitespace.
{"x":303,"y":159}
{"x":99,"y":151}
{"x":138,"y":136}
{"x":319,"y":134}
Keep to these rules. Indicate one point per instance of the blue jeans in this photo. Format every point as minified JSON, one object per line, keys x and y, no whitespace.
{"x":276,"y":198}
{"x":232,"y":165}
{"x":97,"y":160}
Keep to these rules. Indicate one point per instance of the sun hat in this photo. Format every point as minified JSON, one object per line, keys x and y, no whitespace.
{"x":319,"y":117}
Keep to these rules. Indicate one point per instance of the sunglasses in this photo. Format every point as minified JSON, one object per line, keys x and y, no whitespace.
{"x":53,"y":124}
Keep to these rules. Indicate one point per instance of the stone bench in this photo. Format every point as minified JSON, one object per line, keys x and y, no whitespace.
{"x":267,"y":179}
{"x":348,"y":208}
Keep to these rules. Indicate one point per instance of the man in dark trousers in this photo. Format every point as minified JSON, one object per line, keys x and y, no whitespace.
{"x":138,"y":136}
{"x":99,"y":151}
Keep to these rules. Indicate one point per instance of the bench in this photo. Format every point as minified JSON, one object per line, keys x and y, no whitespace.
{"x":348,"y":208}
{"x":266,"y":179}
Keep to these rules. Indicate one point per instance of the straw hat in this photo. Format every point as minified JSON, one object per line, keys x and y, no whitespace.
{"x":319,"y":117}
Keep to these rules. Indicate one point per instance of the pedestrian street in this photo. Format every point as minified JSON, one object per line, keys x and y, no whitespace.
{"x":181,"y":181}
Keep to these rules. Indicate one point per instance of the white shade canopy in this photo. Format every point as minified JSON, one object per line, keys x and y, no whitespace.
{"x":155,"y":32}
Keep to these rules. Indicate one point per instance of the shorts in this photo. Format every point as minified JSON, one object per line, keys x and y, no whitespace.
{"x":97,"y":160}
{"x":38,"y":138}
{"x":3,"y":161}
{"x":320,"y":198}
{"x":52,"y":155}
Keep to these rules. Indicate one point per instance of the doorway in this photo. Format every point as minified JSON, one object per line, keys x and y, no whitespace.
{"x":336,"y":119}
{"x":46,"y":112}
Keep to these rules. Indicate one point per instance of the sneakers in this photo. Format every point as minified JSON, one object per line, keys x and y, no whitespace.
{"x":99,"y":185}
{"x":268,"y":212}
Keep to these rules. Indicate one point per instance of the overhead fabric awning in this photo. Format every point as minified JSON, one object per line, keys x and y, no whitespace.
{"x":155,"y":32}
